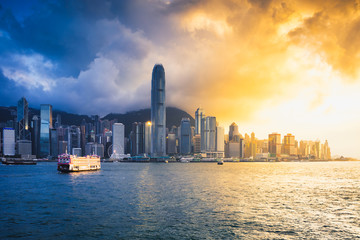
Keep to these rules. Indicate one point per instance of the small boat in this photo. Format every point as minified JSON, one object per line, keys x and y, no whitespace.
{"x":186,"y":159}
{"x":220,"y":162}
{"x":73,"y":163}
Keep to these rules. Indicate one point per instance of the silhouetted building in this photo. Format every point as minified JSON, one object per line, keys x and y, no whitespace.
{"x":54,"y":143}
{"x":35,"y":135}
{"x":185,"y":137}
{"x":23,"y":119}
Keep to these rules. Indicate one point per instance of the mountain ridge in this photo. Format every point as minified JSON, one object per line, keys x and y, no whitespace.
{"x":173,"y":116}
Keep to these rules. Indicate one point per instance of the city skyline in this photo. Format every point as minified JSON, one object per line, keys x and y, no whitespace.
{"x":265,"y":65}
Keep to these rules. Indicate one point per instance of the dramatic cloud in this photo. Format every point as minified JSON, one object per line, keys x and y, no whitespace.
{"x":270,"y":65}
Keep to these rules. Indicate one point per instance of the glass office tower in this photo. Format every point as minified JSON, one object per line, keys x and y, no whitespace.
{"x":45,"y":126}
{"x":158,"y":112}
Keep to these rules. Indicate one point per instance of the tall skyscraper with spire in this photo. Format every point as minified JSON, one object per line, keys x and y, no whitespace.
{"x":23,"y":118}
{"x":158,"y":112}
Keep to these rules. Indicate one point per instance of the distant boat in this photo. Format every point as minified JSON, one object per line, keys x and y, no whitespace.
{"x":73,"y":163}
{"x":18,"y":161}
{"x":186,"y":159}
{"x":140,"y":158}
{"x":221,"y":162}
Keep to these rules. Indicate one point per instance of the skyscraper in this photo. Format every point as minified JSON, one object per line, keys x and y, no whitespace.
{"x":35,"y":135}
{"x":185,"y":137}
{"x":158,"y":112}
{"x":147,"y":138}
{"x":289,"y":144}
{"x":199,"y":114}
{"x":219,"y":139}
{"x":8,"y":142}
{"x":210,"y":134}
{"x":23,"y":119}
{"x":118,"y":135}
{"x":274,"y":144}
{"x":45,"y":126}
{"x":234,"y":134}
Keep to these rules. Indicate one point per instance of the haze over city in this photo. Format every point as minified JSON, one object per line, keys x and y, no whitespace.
{"x":269,"y":66}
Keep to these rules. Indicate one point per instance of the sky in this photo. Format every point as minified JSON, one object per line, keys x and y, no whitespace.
{"x":267,"y":65}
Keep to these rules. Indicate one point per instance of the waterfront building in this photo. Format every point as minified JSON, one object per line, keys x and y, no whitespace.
{"x":147,"y":138}
{"x":199,"y":114}
{"x":317,"y":149}
{"x":289,"y":144}
{"x":232,"y":150}
{"x":210,"y":134}
{"x":45,"y":126}
{"x":274,"y":144}
{"x":62,"y":147}
{"x":23,"y":147}
{"x":253,"y":145}
{"x":185,"y":137}
{"x":118,"y":137}
{"x":9,"y":142}
{"x":247,"y":144}
{"x":235,"y":149}
{"x":137,"y":139}
{"x":98,"y":149}
{"x":242,"y":147}
{"x":89,"y":150}
{"x":83,"y":136}
{"x":326,"y":151}
{"x":197,"y":143}
{"x":171,"y":144}
{"x":220,"y":139}
{"x":35,"y":135}
{"x":23,"y":119}
{"x":77,"y":152}
{"x":203,"y":134}
{"x":74,"y":138}
{"x":54,"y":146}
{"x":158,"y":112}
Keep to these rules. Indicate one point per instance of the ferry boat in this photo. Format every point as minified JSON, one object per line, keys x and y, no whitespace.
{"x":73,"y":163}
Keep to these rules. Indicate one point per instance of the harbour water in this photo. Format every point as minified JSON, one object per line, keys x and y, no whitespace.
{"x":309,"y":200}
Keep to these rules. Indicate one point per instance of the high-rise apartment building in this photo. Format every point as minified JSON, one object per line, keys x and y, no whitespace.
{"x":158,"y":112}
